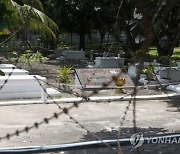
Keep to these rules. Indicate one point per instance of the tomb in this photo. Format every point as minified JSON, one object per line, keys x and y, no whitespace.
{"x":75,"y":55}
{"x":171,"y":73}
{"x":96,"y":77}
{"x":7,"y":66}
{"x":22,"y":86}
{"x":15,"y":71}
{"x":175,"y":88}
{"x":109,"y":62}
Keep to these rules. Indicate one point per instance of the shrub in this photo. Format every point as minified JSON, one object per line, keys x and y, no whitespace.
{"x":64,"y":74}
{"x":29,"y":56}
{"x":164,"y":60}
{"x":149,"y":72}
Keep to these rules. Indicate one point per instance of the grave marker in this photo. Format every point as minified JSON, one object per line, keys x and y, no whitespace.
{"x":96,"y":77}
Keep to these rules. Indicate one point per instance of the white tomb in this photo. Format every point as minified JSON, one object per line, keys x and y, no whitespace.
{"x":15,"y":71}
{"x":22,"y":86}
{"x":109,"y":62}
{"x":7,"y":66}
{"x":75,"y":55}
{"x":175,"y":88}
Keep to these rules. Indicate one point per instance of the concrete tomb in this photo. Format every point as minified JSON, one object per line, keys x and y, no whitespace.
{"x":96,"y":77}
{"x":7,"y":66}
{"x":75,"y":55}
{"x":21,"y":85}
{"x":171,"y":73}
{"x":15,"y":71}
{"x":109,"y":62}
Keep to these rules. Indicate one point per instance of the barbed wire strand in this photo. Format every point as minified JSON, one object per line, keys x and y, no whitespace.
{"x":65,"y":110}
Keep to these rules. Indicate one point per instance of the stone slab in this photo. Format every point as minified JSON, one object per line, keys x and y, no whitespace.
{"x":29,"y":94}
{"x":75,"y":55}
{"x":15,"y":71}
{"x":95,"y":77}
{"x":109,"y":62}
{"x":7,"y":66}
{"x":172,"y":73}
{"x":21,"y":86}
{"x":175,"y":88}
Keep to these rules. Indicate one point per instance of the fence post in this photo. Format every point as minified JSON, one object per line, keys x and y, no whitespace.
{"x":44,"y":90}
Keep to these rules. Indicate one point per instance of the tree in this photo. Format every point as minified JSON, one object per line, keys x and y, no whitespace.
{"x":31,"y":17}
{"x":5,"y":20}
{"x":167,"y":28}
{"x":163,"y":17}
{"x":83,"y":16}
{"x":72,"y":16}
{"x":128,"y":31}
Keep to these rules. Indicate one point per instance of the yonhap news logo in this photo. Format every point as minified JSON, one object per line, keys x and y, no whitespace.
{"x":138,"y":139}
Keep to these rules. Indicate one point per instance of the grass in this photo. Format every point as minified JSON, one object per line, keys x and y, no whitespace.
{"x":176,"y":54}
{"x":175,"y":57}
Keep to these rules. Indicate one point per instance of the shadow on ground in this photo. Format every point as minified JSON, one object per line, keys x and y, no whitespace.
{"x":156,"y":148}
{"x":174,"y":103}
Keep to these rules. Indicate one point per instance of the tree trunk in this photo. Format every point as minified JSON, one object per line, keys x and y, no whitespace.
{"x":130,"y":40}
{"x":82,"y":41}
{"x":102,"y":35}
{"x":165,"y":49}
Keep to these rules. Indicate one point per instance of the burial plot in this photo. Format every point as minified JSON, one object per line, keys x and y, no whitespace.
{"x":21,"y":86}
{"x":15,"y":71}
{"x":96,"y":77}
{"x":75,"y":55}
{"x":172,"y":73}
{"x":109,"y":62}
{"x":7,"y":66}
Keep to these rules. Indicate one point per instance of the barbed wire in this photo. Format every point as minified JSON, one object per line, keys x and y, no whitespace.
{"x":84,"y":97}
{"x":65,"y":111}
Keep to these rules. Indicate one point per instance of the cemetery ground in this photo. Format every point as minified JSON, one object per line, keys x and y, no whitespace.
{"x":153,"y":118}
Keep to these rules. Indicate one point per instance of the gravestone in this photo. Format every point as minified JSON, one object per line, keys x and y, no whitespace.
{"x":96,"y":77}
{"x":109,"y":62}
{"x":75,"y":55}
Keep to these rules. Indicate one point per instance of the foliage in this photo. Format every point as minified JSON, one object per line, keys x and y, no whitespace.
{"x":82,"y":17}
{"x":154,"y":55}
{"x":38,"y":23}
{"x":63,"y":46}
{"x":2,"y":73}
{"x":166,"y":25}
{"x":5,"y":20}
{"x":64,"y":74}
{"x":164,"y":60}
{"x":29,"y":57}
{"x":149,"y":72}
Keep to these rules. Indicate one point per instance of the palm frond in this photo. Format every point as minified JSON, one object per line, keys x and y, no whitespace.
{"x":37,"y":27}
{"x":36,"y":14}
{"x":39,"y":23}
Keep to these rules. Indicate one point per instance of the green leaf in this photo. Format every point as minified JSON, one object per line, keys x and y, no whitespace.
{"x":5,"y":32}
{"x":2,"y":73}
